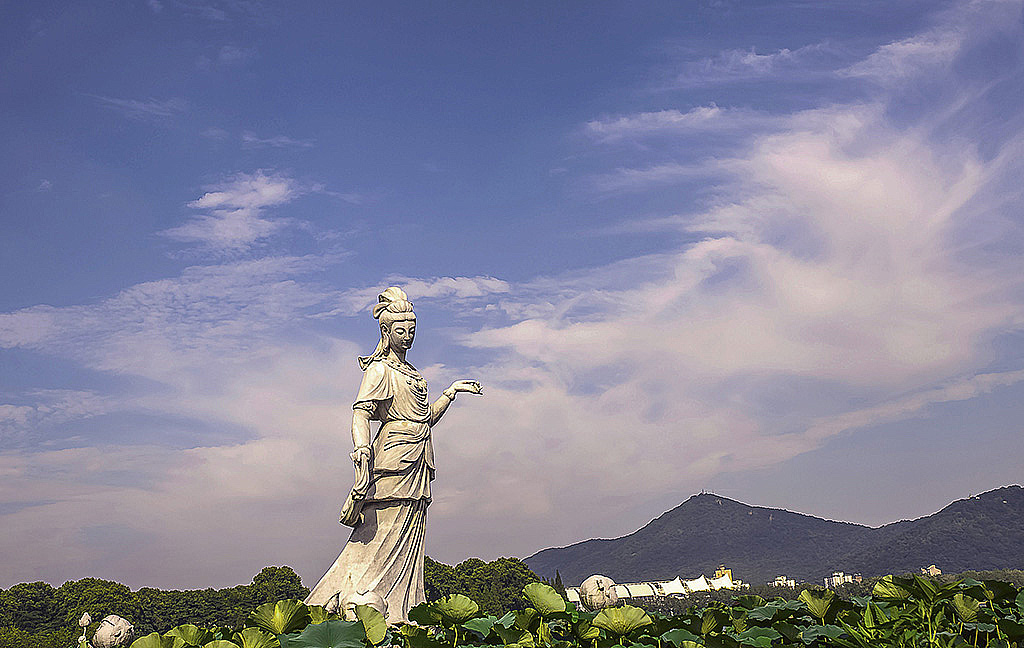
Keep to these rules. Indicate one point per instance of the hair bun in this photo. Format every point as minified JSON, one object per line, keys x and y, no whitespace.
{"x":386,"y":298}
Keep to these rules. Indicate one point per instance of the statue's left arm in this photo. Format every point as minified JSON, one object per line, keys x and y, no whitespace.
{"x":440,"y":406}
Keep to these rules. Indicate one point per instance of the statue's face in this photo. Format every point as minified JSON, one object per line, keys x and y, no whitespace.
{"x":401,"y":333}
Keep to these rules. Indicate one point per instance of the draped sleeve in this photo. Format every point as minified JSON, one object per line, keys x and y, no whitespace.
{"x":375,"y":387}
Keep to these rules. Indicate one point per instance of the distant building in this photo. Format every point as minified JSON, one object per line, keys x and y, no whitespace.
{"x":839,"y":578}
{"x":931,"y":570}
{"x":782,"y":581}
{"x":675,"y":587}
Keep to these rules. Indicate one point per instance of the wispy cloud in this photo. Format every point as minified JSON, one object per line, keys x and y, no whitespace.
{"x":220,"y":10}
{"x":144,"y":110}
{"x":154,"y":110}
{"x":636,"y":179}
{"x":906,"y":57}
{"x":228,"y":56}
{"x":233,"y":220}
{"x":251,"y":140}
{"x":674,"y":122}
{"x":46,"y":408}
{"x":735,"y":65}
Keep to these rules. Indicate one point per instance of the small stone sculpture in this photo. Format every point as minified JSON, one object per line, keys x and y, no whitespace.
{"x":113,"y":632}
{"x":598,"y":592}
{"x":83,"y":623}
{"x":387,"y":507}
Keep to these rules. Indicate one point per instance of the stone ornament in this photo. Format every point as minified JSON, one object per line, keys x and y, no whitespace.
{"x":598,"y":592}
{"x":113,"y":631}
{"x":387,"y":506}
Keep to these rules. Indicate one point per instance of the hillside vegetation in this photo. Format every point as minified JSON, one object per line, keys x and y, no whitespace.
{"x":984,"y":532}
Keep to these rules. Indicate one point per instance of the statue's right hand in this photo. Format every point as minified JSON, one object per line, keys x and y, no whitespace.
{"x":360,"y":454}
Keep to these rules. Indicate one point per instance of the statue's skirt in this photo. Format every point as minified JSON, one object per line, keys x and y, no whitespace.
{"x":385,"y":555}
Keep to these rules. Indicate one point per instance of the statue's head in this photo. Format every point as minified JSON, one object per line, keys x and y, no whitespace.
{"x":397,"y":324}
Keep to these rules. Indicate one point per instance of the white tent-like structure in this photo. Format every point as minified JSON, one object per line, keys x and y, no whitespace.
{"x":675,"y":587}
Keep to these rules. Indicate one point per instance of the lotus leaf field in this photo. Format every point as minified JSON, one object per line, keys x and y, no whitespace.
{"x":901,"y":612}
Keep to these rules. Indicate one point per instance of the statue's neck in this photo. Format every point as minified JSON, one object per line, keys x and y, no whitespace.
{"x":397,"y":355}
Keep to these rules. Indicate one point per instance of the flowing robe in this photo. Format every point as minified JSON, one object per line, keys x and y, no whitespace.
{"x":385,"y":551}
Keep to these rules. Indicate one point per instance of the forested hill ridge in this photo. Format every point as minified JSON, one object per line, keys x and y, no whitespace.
{"x":979,"y":533}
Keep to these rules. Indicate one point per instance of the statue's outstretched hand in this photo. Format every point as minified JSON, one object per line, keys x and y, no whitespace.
{"x":360,"y":454}
{"x":468,"y":386}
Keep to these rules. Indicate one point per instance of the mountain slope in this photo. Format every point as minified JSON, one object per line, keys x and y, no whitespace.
{"x":758,"y":543}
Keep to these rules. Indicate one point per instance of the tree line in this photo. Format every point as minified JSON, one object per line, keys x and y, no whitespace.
{"x":38,"y":615}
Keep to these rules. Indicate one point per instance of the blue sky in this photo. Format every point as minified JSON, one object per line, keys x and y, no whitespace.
{"x":767,"y":249}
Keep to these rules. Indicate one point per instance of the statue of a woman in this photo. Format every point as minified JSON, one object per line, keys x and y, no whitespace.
{"x":388,"y":504}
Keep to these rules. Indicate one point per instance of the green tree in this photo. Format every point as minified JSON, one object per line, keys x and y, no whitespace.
{"x":496,"y":586}
{"x":32,"y":607}
{"x":275,"y":584}
{"x":97,"y":597}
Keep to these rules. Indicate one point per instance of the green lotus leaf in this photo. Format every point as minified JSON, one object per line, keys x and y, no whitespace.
{"x":255,"y":638}
{"x":190,"y":635}
{"x":817,"y":601}
{"x":712,"y":620}
{"x":481,"y":625}
{"x":417,"y":637}
{"x":621,"y":620}
{"x":374,"y":625}
{"x":153,"y":640}
{"x":678,"y":636}
{"x":282,"y":617}
{"x":814,"y":632}
{"x":1011,"y":628}
{"x":585,"y":630}
{"x":887,"y":589}
{"x":544,"y":598}
{"x":525,"y":618}
{"x":425,"y":614}
{"x":507,"y":620}
{"x":1000,"y":591}
{"x":329,"y":634}
{"x":966,"y":608}
{"x":513,"y":634}
{"x":766,"y":613}
{"x":748,"y":601}
{"x":319,"y":614}
{"x":758,"y":637}
{"x":456,"y":609}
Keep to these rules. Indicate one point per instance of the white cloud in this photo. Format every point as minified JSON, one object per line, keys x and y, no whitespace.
{"x":636,"y":179}
{"x":738,"y":65}
{"x":906,"y":57}
{"x":251,"y":140}
{"x":233,"y":55}
{"x":701,"y":119}
{"x":153,"y":110}
{"x":48,"y":407}
{"x":841,"y":260}
{"x":234,"y":219}
{"x":214,"y":133}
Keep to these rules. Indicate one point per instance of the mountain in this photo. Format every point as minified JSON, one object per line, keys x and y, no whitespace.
{"x":982,"y":532}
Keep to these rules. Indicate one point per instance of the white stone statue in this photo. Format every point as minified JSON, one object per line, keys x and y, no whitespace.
{"x":113,"y":632}
{"x":387,"y":507}
{"x":598,"y":592}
